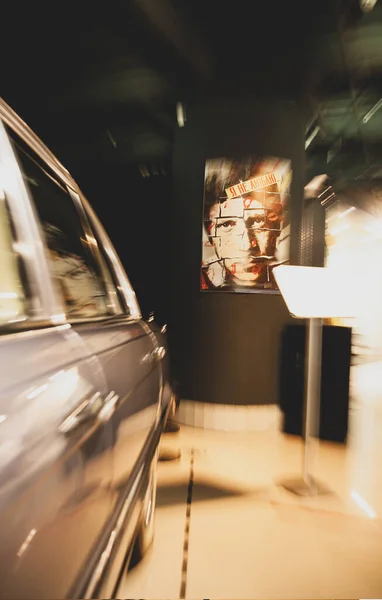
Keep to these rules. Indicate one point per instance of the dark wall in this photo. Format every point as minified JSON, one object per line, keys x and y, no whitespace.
{"x":225,"y":346}
{"x":136,"y":212}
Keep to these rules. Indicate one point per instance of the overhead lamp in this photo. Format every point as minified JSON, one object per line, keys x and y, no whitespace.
{"x":372,"y":111}
{"x":311,"y":137}
{"x":112,"y":140}
{"x":180,"y":114}
{"x":334,"y":150}
{"x":367,"y":5}
{"x":312,"y":121}
{"x":144,"y":171}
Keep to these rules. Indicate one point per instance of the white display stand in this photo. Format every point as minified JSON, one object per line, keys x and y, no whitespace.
{"x":313,"y":293}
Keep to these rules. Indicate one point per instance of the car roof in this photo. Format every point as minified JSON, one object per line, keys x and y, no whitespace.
{"x":8,"y":115}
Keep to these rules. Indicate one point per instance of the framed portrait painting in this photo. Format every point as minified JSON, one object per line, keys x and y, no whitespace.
{"x":246,"y":227}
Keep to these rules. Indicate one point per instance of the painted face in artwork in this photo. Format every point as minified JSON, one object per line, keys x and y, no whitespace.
{"x":244,"y":234}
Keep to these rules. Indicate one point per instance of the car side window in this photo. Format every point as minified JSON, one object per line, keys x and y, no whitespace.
{"x":106,"y":270}
{"x":110,"y":282}
{"x":109,"y":258}
{"x":13,"y":306}
{"x":69,"y":253}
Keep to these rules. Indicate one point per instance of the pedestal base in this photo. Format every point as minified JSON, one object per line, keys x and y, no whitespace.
{"x":166,"y":454}
{"x":171,"y":427}
{"x":300,"y":487}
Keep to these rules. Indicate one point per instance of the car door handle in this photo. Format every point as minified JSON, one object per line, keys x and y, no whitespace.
{"x":154,"y":356}
{"x":94,"y":408}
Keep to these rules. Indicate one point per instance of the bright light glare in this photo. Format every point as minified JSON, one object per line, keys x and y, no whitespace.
{"x":363,"y":505}
{"x":374,"y":227}
{"x":316,"y":292}
{"x":337,"y":230}
{"x":27,"y":542}
{"x":311,"y":137}
{"x":23,"y":248}
{"x":314,"y":186}
{"x":346,"y":212}
{"x":58,"y":318}
{"x":180,"y":115}
{"x":367,"y":5}
{"x":37,"y":391}
{"x":372,"y":111}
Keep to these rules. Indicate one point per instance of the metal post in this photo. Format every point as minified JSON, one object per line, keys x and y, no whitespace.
{"x":313,"y":394}
{"x":307,"y":486}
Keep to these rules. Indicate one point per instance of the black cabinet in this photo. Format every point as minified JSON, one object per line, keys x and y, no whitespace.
{"x":335,"y":374}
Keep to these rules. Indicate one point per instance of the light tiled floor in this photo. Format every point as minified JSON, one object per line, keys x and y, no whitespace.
{"x":249,"y":538}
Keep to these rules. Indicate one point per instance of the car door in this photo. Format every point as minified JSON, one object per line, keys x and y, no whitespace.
{"x":133,"y":363}
{"x":131,"y":359}
{"x":56,"y":436}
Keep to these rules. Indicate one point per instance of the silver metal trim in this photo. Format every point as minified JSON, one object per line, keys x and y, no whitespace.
{"x":155,"y":356}
{"x":25,"y":132}
{"x":28,"y":231}
{"x":125,"y":286}
{"x":87,"y":410}
{"x":102,"y":563}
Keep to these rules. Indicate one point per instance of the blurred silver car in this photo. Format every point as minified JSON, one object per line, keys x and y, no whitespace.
{"x":84,"y":387}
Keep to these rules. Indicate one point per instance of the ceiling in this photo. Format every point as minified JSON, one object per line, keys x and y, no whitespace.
{"x":346,"y":101}
{"x":100,"y":84}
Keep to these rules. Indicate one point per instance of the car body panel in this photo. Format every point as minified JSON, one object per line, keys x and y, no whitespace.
{"x":55,"y":490}
{"x":121,"y":348}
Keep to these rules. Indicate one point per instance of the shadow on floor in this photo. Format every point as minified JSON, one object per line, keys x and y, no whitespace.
{"x":175,"y":493}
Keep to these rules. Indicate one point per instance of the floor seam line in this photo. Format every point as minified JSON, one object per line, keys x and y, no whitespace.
{"x":183,"y":585}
